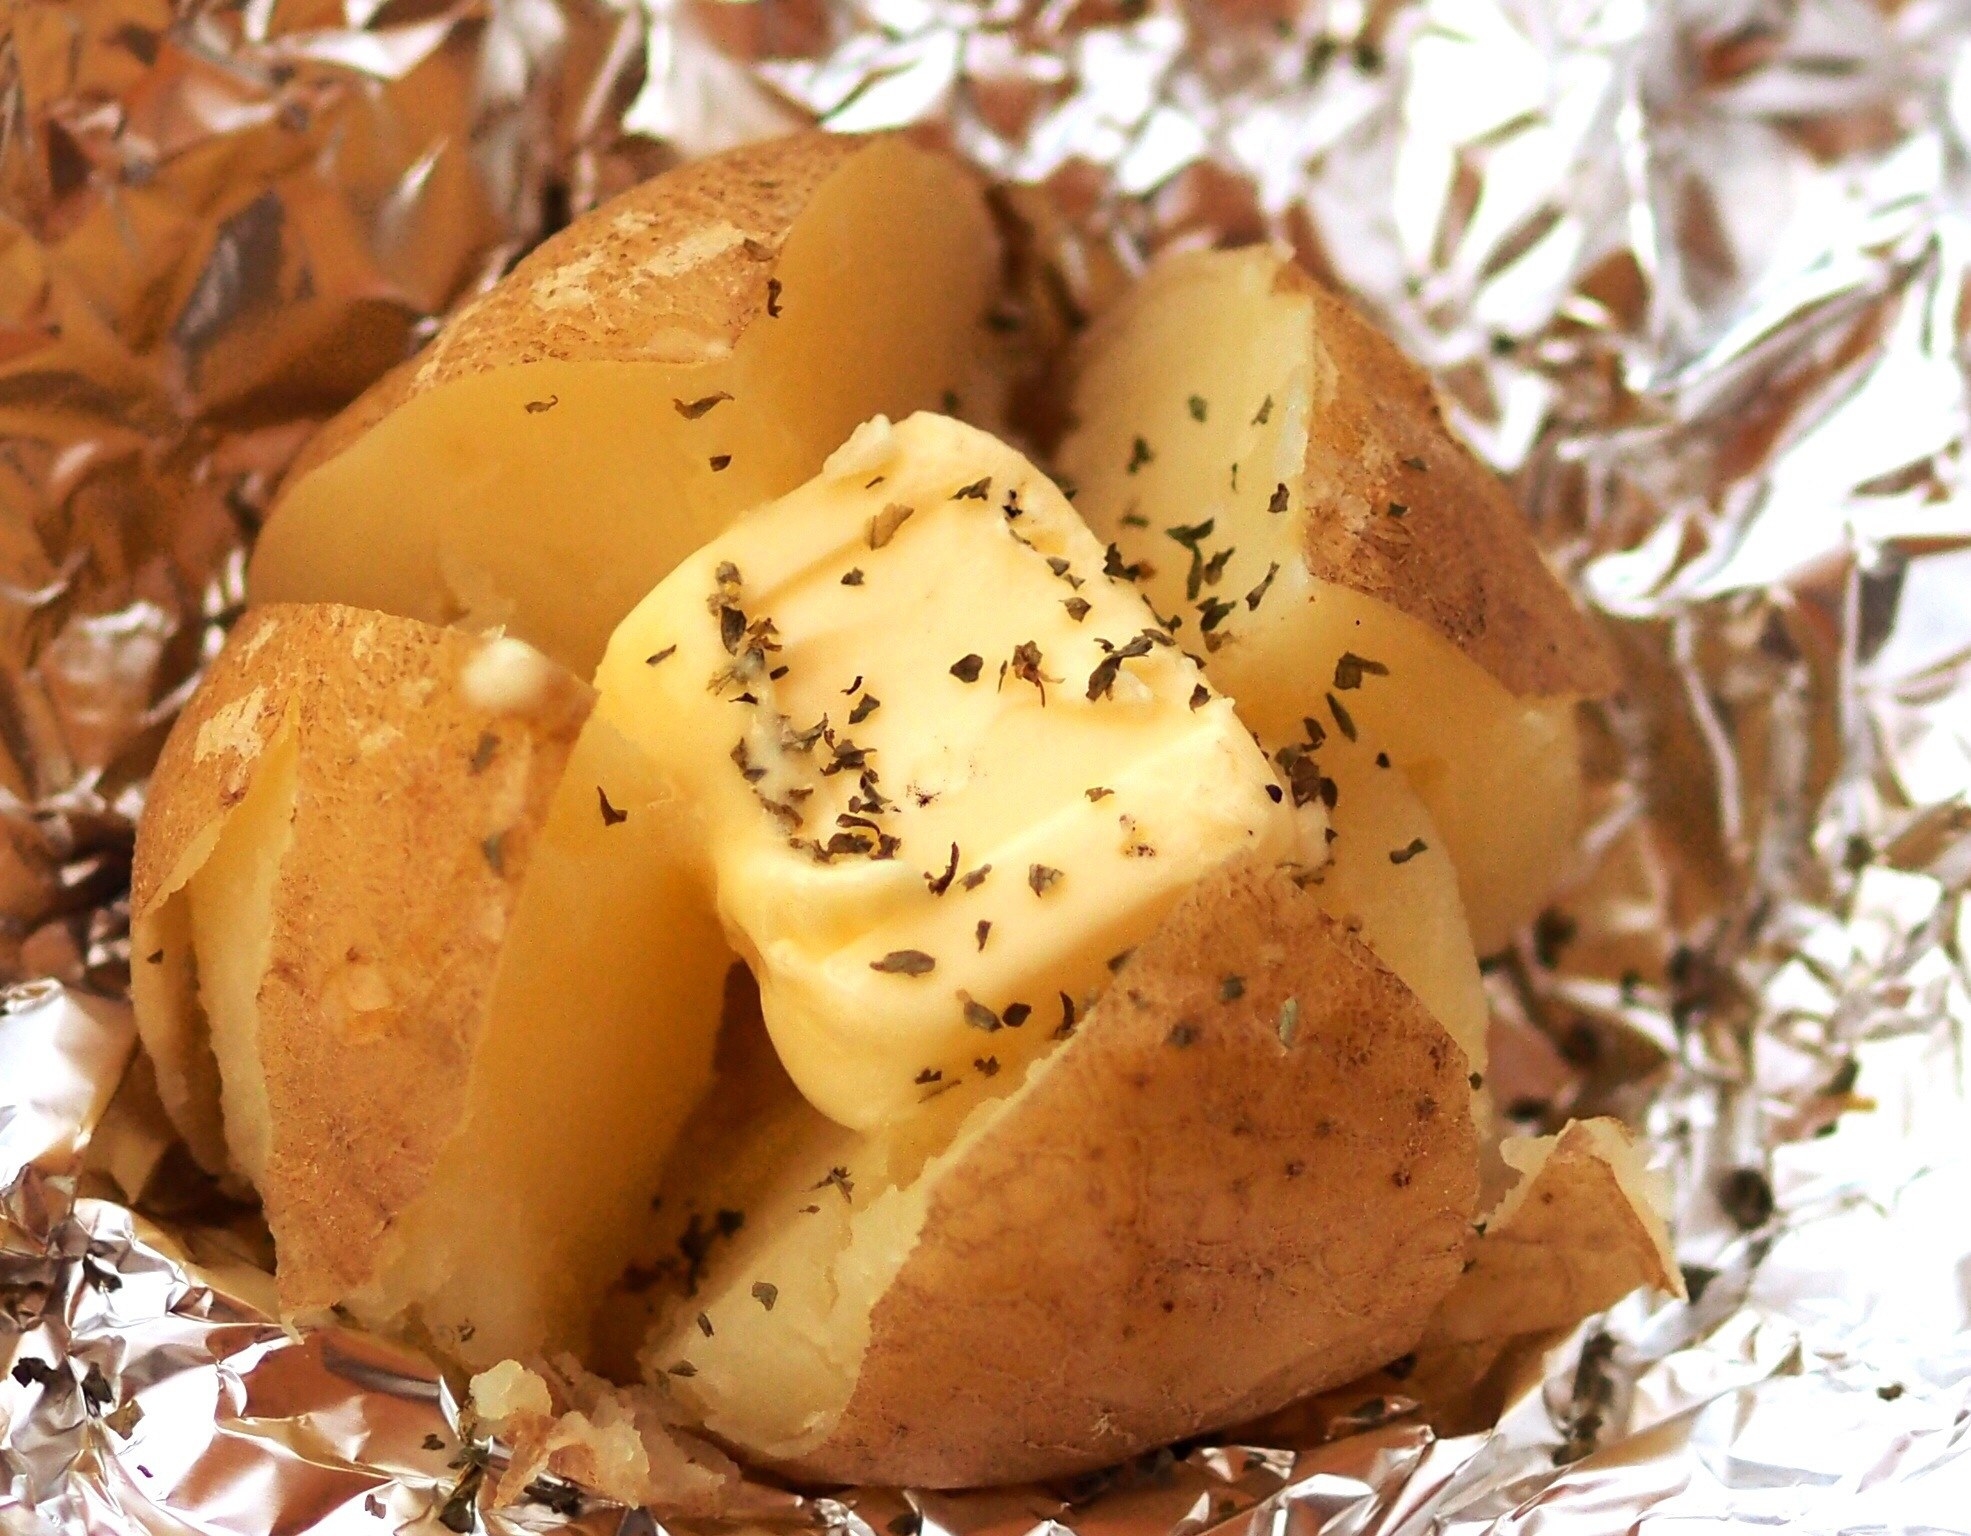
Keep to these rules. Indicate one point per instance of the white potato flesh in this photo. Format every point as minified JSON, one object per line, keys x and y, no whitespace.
{"x":928,"y":848}
{"x":1190,"y":453}
{"x":550,"y":496}
{"x":597,"y":1046}
{"x":230,"y":902}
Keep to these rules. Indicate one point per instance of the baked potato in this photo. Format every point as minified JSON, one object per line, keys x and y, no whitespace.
{"x":945,"y":1007}
{"x":1280,"y":478}
{"x":421,"y":956}
{"x":687,"y":350}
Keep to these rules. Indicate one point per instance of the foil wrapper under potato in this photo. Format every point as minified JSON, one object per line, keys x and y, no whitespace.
{"x":1695,"y":276}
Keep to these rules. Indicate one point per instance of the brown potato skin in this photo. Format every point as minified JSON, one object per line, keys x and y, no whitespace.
{"x":1577,"y":1245}
{"x":1459,"y":559}
{"x":759,"y":189}
{"x":1182,"y":1223}
{"x":389,"y":869}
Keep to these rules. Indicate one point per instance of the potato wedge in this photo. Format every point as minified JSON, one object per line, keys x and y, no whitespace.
{"x":693,"y":347}
{"x":422,"y":957}
{"x":1283,"y":481}
{"x":1208,"y":1201}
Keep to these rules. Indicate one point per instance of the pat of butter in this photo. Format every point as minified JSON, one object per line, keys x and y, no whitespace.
{"x":949,"y":770}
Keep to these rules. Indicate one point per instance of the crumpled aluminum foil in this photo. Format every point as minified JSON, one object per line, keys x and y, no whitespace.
{"x":1695,"y":275}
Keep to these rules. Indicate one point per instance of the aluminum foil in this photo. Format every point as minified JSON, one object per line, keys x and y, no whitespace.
{"x":1694,"y":275}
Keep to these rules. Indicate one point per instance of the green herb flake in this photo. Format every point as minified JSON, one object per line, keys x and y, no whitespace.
{"x":852,"y":577}
{"x":940,"y":883}
{"x":1139,"y":455}
{"x":1264,"y":412}
{"x":1231,"y":989}
{"x":766,"y":1295}
{"x":905,"y":962}
{"x":1200,"y":696}
{"x":1289,"y":1021}
{"x":976,"y":878}
{"x":883,"y":526}
{"x":664,"y":655}
{"x":493,"y":849}
{"x":1351,"y":669}
{"x":1344,"y":722}
{"x":978,"y":490}
{"x":1397,"y":509}
{"x":1078,"y":608}
{"x":1182,"y":1034}
{"x":1042,"y":878}
{"x":773,"y":298}
{"x":691,"y":410}
{"x":966,"y":668}
{"x":1413,"y":462}
{"x":988,"y":1066}
{"x":719,"y":461}
{"x":482,"y":753}
{"x":978,"y":1015}
{"x":1099,"y":792}
{"x":982,"y":931}
{"x":1404,"y":854}
{"x":1016,"y":1014}
{"x":865,"y":706}
{"x":1277,"y":502}
{"x":537,"y":407}
{"x":610,"y":815}
{"x":1197,"y":407}
{"x":1258,"y":594}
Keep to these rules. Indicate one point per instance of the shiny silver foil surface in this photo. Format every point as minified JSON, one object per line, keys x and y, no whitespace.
{"x":1695,"y":276}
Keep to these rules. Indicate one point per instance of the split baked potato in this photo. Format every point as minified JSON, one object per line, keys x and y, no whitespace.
{"x":958,"y":999}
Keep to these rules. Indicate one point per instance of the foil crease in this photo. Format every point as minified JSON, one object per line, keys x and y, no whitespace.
{"x":1694,"y":276}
